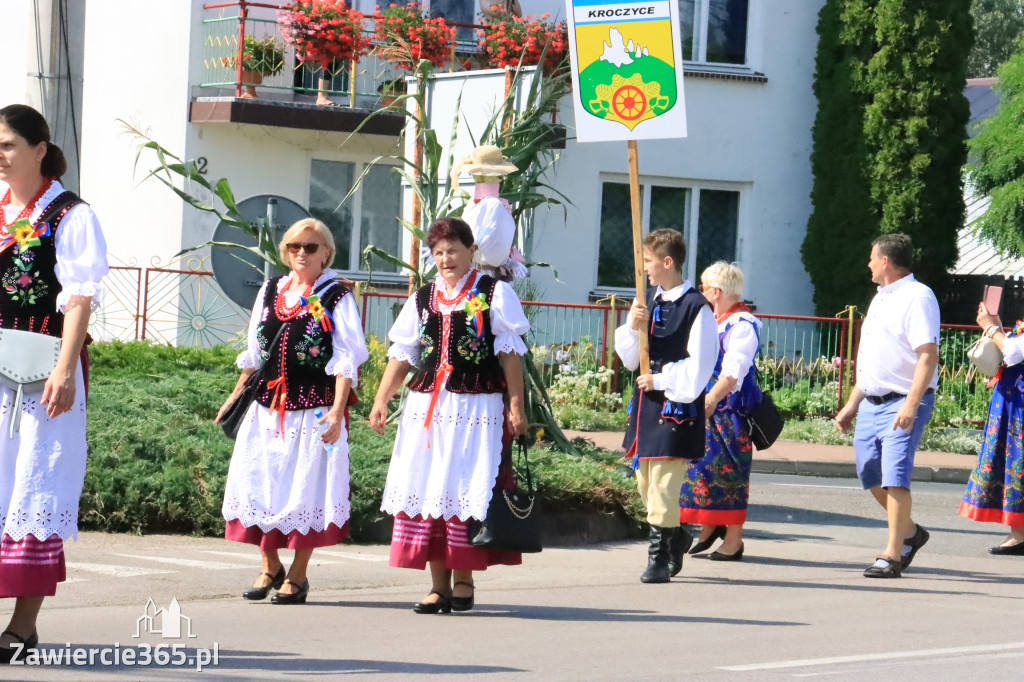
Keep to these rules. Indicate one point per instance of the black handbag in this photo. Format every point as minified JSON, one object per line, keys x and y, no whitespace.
{"x":513,"y":517}
{"x":232,"y":419}
{"x":765,"y":423}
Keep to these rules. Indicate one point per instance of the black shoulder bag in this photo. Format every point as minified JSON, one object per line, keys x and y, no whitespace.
{"x":513,"y":517}
{"x":765,"y":423}
{"x":232,"y":419}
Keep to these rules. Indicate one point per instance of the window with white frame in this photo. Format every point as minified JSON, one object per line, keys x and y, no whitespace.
{"x":707,"y":217}
{"x":374,"y":208}
{"x":714,"y":31}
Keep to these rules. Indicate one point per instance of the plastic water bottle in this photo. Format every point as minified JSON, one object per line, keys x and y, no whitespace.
{"x":322,"y":429}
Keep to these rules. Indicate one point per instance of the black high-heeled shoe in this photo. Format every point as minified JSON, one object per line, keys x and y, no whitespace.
{"x":717,"y":534}
{"x":463,"y":603}
{"x":298,"y":597}
{"x":442,"y":605}
{"x":257,"y":593}
{"x":735,"y":556}
{"x":9,"y":654}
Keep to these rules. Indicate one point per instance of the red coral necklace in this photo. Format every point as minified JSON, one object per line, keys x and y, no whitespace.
{"x":445,"y":301}
{"x":286,"y":312}
{"x":29,"y":207}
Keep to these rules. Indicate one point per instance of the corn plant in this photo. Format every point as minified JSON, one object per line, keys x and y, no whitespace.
{"x":169,"y":167}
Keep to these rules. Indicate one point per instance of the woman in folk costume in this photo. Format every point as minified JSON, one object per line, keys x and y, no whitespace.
{"x":463,"y":333}
{"x":52,"y":258}
{"x":490,"y":216}
{"x":288,"y":482}
{"x":995,"y":490}
{"x":716,"y":488}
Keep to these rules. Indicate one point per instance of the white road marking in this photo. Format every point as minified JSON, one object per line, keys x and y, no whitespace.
{"x":114,"y":570}
{"x":890,"y":656}
{"x":188,"y":563}
{"x":349,"y":555}
{"x":315,"y":560}
{"x":818,"y":485}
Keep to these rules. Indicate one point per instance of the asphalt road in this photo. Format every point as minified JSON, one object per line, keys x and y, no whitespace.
{"x":797,"y":606}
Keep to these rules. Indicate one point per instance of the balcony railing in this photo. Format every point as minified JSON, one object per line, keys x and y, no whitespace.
{"x":353,"y":84}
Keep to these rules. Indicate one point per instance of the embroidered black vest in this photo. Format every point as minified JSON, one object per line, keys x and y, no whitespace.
{"x":300,"y":355}
{"x":474,"y":366}
{"x":28,"y":272}
{"x":658,"y":427}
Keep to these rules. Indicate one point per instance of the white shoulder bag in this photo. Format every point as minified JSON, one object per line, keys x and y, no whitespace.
{"x":985,"y":355}
{"x":26,"y":361}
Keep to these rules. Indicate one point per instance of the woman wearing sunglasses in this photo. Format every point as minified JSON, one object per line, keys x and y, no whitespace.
{"x":288,"y":481}
{"x":463,"y":335}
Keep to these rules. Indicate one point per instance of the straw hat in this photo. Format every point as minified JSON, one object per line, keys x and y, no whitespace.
{"x":484,"y":160}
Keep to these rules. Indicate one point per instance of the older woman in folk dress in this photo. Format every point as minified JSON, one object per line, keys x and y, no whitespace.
{"x":463,"y":332}
{"x":716,"y":488}
{"x":50,"y":268}
{"x":288,"y":483}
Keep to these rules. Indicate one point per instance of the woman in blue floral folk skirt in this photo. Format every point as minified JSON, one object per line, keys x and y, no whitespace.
{"x":716,"y":487}
{"x":994,"y":492}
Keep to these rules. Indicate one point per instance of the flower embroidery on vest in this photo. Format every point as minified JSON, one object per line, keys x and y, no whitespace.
{"x":427,"y":342}
{"x":309,"y":351}
{"x":21,"y":282}
{"x":472,"y":347}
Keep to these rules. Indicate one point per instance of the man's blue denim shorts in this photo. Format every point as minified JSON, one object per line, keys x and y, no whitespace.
{"x":885,"y":456}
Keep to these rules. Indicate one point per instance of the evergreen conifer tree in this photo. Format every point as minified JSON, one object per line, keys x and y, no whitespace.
{"x":888,"y":139}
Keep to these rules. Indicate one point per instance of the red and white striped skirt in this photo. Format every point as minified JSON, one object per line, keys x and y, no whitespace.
{"x":417,"y":540}
{"x":31,"y":568}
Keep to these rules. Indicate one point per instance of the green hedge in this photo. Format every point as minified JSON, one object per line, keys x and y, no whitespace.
{"x":157,"y":462}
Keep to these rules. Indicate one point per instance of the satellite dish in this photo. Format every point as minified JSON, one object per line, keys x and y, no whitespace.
{"x":240,"y":273}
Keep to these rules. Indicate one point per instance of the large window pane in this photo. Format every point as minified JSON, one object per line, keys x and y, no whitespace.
{"x":716,"y":227}
{"x":456,"y":11}
{"x":670,"y":208}
{"x":689,"y":21}
{"x":329,"y":183}
{"x":380,"y":207}
{"x":727,"y":31}
{"x":615,"y":258}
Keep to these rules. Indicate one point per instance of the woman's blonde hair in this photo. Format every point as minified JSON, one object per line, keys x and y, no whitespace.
{"x":301,"y":226}
{"x":725,"y":276}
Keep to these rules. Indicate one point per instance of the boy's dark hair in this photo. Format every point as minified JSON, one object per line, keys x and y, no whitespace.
{"x":666,"y":242}
{"x":897,"y":248}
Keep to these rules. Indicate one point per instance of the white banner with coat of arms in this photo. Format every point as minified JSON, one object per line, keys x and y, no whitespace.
{"x":627,"y":69}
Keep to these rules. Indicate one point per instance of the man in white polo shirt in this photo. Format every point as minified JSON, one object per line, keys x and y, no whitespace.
{"x":896,"y":380}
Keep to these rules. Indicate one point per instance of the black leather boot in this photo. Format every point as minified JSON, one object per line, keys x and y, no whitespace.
{"x":679,"y":544}
{"x":657,"y":556}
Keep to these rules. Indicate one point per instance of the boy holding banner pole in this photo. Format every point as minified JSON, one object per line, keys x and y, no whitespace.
{"x":666,"y":413}
{"x":628,"y":85}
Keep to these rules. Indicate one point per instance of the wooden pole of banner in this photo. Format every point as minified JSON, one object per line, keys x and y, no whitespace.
{"x":638,"y":252}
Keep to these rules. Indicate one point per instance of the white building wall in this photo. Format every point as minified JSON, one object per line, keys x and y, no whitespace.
{"x":755,"y":136}
{"x":140,"y":219}
{"x":19,"y":46}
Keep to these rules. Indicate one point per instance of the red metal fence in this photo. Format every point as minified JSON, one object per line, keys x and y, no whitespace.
{"x":806,"y":362}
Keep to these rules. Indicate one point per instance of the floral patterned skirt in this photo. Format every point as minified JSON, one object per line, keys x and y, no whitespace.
{"x":716,"y":487}
{"x":994,"y":491}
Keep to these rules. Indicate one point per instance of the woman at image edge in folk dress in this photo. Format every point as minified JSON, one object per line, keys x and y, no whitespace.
{"x":50,"y":281}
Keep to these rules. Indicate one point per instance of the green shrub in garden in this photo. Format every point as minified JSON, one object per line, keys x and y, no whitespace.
{"x":157,"y":462}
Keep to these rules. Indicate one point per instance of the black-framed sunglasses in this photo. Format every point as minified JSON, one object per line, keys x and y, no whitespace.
{"x":308,"y":247}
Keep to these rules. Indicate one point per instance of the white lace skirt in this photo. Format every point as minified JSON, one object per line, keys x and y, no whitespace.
{"x":447,"y":470}
{"x":289,"y":481}
{"x":42,"y":468}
